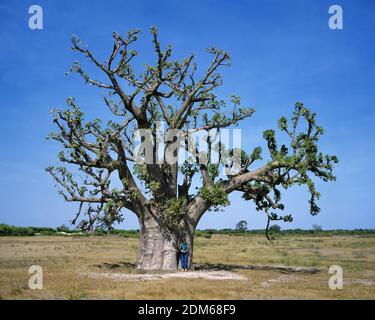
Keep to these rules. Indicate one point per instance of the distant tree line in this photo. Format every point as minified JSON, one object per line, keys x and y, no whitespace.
{"x":8,"y":230}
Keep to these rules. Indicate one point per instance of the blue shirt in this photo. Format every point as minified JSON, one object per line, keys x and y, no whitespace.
{"x":184,"y":246}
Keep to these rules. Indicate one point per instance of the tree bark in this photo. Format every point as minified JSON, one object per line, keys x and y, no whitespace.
{"x":158,"y":244}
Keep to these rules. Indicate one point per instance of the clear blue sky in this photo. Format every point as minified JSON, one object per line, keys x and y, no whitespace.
{"x":282,"y":52}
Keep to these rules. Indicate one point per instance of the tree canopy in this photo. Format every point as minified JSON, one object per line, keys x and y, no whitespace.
{"x":179,"y":94}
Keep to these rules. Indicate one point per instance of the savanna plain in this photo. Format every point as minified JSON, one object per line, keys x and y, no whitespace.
{"x":77,"y":267}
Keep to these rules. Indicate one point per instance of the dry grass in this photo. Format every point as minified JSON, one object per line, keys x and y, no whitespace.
{"x":64,"y":259}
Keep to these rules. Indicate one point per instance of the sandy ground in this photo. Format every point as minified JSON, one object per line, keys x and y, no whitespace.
{"x":209,"y":275}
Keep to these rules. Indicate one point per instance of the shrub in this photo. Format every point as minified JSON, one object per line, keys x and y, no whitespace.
{"x":316,"y":227}
{"x":63,"y":228}
{"x":275,"y":228}
{"x":6,"y":230}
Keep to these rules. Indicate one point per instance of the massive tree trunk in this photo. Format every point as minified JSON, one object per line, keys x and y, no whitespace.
{"x":158,"y":244}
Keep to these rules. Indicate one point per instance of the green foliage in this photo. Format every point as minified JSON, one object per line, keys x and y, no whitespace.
{"x":100,"y":151}
{"x":216,"y":196}
{"x":286,"y":232}
{"x":112,"y":212}
{"x":154,"y":186}
{"x":283,"y":123}
{"x":63,"y":228}
{"x":241,"y":225}
{"x":6,"y":230}
{"x":213,"y":170}
{"x":189,"y":167}
{"x":172,"y":211}
{"x":256,"y":154}
{"x":221,"y":120}
{"x":125,"y":233}
{"x":269,"y":136}
{"x":140,"y":170}
{"x":275,"y":228}
{"x":298,"y":163}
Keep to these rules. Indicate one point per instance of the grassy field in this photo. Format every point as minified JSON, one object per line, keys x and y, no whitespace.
{"x":64,"y":259}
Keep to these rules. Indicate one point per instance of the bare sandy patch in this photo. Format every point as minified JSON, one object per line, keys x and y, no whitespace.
{"x":281,"y":279}
{"x":210,"y":275}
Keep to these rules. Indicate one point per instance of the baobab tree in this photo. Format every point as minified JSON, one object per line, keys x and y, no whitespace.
{"x":104,"y":173}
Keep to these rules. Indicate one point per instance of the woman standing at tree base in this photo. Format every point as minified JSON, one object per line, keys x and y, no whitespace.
{"x":184,"y":254}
